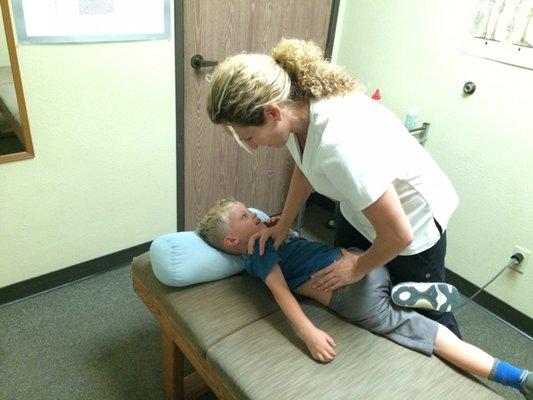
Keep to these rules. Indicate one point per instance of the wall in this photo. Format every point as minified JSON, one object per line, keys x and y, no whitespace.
{"x":4,"y":54}
{"x":103,"y":179}
{"x":411,"y":51}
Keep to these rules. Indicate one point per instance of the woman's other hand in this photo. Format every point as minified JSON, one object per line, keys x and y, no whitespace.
{"x":342,"y":272}
{"x":278,"y":232}
{"x":320,"y":345}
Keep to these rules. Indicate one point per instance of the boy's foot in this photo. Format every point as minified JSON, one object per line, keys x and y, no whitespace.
{"x":429,"y":295}
{"x":526,"y":386}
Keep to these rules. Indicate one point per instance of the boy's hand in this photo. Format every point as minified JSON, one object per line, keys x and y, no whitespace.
{"x":320,"y":345}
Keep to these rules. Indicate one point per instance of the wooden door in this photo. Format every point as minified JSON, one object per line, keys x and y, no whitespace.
{"x":214,"y":165}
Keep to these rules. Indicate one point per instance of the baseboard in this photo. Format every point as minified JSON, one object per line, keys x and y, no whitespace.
{"x":53,"y":280}
{"x":502,"y":310}
{"x":62,"y":277}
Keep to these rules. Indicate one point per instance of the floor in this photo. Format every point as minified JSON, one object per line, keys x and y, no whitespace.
{"x":95,"y":339}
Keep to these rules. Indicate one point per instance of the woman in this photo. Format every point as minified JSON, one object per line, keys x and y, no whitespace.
{"x":395,"y":202}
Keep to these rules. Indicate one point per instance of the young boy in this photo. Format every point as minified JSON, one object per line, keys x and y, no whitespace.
{"x":229,"y":225}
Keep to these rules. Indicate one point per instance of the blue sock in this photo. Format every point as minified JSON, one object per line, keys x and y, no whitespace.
{"x":506,"y":374}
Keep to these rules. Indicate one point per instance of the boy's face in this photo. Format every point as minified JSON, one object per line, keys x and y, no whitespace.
{"x":241,"y":225}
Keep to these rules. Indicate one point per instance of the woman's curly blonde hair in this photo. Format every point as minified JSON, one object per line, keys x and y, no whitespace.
{"x":296,"y":70}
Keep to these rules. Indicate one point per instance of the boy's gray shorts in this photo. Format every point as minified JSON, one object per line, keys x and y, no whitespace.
{"x":368,"y":304}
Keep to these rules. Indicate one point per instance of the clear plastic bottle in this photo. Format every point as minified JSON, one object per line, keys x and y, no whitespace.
{"x":411,"y":118}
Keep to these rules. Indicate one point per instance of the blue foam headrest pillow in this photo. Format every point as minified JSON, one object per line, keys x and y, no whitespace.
{"x":184,"y":258}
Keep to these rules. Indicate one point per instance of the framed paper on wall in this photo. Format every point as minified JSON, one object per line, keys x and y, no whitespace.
{"x":502,"y":31}
{"x":73,"y":21}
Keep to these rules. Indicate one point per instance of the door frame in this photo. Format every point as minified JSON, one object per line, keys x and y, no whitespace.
{"x":180,"y":97}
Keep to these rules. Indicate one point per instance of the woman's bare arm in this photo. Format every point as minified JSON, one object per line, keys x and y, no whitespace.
{"x":299,"y":191}
{"x":393,"y":235}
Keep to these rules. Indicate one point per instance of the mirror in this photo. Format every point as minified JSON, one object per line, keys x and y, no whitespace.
{"x":15,"y":138}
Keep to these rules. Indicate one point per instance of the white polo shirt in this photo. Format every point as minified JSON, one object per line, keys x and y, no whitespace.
{"x":355,"y":149}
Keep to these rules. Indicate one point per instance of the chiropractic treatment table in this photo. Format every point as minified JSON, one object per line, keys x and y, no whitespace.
{"x":242,"y":347}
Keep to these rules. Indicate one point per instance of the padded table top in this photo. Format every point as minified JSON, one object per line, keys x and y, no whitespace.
{"x":266,"y":360}
{"x":247,"y":340}
{"x":210,"y":311}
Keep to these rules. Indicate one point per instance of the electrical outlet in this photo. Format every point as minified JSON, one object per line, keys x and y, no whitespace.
{"x":521,"y":267}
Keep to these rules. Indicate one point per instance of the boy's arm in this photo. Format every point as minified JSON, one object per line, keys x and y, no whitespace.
{"x":286,"y":301}
{"x":319,"y":343}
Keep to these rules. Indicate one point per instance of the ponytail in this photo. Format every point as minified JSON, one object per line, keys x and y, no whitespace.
{"x":312,"y":76}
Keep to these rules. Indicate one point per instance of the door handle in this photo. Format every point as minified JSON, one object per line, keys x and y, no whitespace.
{"x":197,"y":62}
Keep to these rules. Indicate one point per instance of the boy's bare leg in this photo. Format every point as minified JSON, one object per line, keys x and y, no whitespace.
{"x":475,"y":361}
{"x":464,"y":355}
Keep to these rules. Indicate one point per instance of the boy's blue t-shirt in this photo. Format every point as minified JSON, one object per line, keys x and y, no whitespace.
{"x":298,"y":258}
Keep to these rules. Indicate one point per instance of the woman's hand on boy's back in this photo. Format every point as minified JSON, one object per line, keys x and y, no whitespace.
{"x":320,"y":344}
{"x":278,"y":232}
{"x":342,"y":272}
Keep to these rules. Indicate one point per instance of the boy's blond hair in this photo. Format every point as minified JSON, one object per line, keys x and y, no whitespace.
{"x":213,"y":227}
